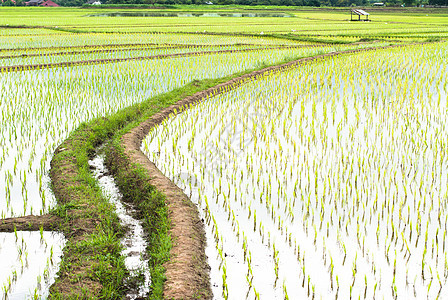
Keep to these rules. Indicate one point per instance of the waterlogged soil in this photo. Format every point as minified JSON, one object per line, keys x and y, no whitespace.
{"x":187,"y":271}
{"x":106,"y":49}
{"x":40,"y":50}
{"x":134,"y":241}
{"x":149,"y":52}
{"x":259,"y":262}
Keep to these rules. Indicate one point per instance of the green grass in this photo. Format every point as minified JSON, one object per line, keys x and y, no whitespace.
{"x":93,"y":255}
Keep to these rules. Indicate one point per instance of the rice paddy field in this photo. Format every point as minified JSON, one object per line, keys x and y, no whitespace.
{"x":313,"y":183}
{"x":325,"y":179}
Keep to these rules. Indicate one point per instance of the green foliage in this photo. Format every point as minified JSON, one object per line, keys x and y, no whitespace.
{"x":408,"y":3}
{"x":61,"y":210}
{"x":102,"y":248}
{"x":134,"y":185}
{"x":124,"y":5}
{"x":438,"y":2}
{"x":71,"y":3}
{"x":8,"y":3}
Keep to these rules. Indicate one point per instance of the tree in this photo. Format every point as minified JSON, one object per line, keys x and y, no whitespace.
{"x":225,"y":2}
{"x":8,"y":3}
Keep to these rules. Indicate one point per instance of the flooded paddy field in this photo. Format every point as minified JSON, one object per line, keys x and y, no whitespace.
{"x":260,"y":162}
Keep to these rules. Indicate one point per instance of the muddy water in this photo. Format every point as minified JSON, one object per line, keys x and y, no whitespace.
{"x":133,"y":242}
{"x":29,"y":262}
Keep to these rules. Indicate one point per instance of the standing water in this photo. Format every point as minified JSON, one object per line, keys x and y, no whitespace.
{"x":134,"y":240}
{"x":29,"y":263}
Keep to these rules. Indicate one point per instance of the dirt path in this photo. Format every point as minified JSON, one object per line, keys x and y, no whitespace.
{"x":30,"y":223}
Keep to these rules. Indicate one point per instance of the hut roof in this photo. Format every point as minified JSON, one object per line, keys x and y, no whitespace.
{"x":360,"y":12}
{"x":49,"y":3}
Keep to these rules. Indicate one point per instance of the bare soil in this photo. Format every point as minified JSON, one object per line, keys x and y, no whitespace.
{"x":30,"y":223}
{"x":187,"y":272}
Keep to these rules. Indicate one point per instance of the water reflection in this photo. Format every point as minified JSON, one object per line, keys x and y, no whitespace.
{"x":29,"y":262}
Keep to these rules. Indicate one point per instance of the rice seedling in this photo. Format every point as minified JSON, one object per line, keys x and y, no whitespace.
{"x":51,"y":57}
{"x":41,"y":107}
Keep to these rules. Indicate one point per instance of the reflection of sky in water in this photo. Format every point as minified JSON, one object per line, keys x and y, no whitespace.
{"x":127,"y":53}
{"x":29,"y":263}
{"x":40,"y":108}
{"x":134,"y":243}
{"x":342,"y":168}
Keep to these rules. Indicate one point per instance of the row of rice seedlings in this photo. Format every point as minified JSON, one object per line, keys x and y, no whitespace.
{"x":32,"y":263}
{"x":255,"y":26}
{"x":423,"y":36}
{"x":88,"y":49}
{"x":30,"y":60}
{"x":68,"y":50}
{"x":342,"y":25}
{"x":26,"y":31}
{"x":6,"y":42}
{"x":223,"y":28}
{"x":331,"y":176}
{"x":385,"y":31}
{"x":41,"y":51}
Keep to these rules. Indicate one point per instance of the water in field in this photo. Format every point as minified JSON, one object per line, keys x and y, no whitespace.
{"x":323,"y":181}
{"x":98,"y":54}
{"x":30,"y":261}
{"x":192,"y":14}
{"x":40,"y":108}
{"x":134,"y":242}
